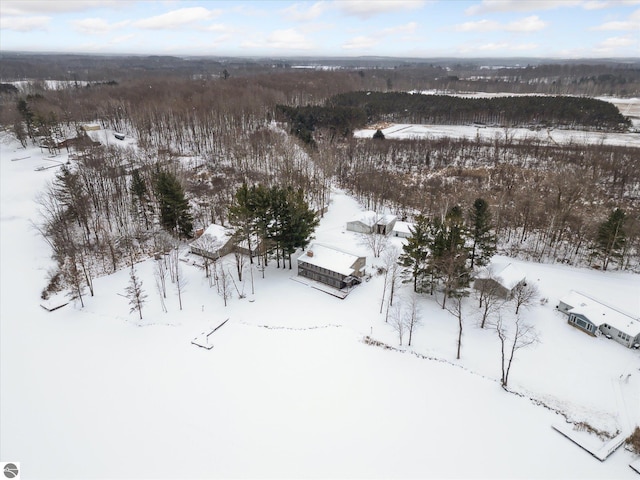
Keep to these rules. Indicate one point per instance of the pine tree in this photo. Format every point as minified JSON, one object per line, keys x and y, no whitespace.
{"x":175,"y":215}
{"x":135,"y":294}
{"x":611,"y":237}
{"x":141,"y":195}
{"x":415,"y":251}
{"x":300,"y":222}
{"x":450,"y":255}
{"x":484,"y":241}
{"x":242,"y":217}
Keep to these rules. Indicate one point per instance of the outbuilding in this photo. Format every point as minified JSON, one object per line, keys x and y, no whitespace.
{"x":371,"y":222}
{"x":402,"y":229}
{"x":215,"y":242}
{"x":500,"y":280}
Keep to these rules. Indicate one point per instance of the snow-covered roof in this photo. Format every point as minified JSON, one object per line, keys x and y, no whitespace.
{"x":599,"y":313}
{"x":329,"y":258}
{"x":403,"y":227}
{"x":386,"y":219}
{"x":213,"y":238}
{"x":506,"y":275}
{"x":371,"y":218}
{"x":368,"y":218}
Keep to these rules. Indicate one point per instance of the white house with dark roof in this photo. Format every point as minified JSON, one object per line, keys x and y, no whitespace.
{"x":501,"y":279}
{"x":331,"y":266}
{"x":595,"y":317}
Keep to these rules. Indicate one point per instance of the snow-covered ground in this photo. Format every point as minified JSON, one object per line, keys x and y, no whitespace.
{"x":545,"y":136}
{"x":290,"y":389}
{"x":629,"y":107}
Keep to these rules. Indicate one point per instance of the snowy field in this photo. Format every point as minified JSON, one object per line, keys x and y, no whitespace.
{"x":629,"y":107}
{"x":289,"y":388}
{"x":401,"y":131}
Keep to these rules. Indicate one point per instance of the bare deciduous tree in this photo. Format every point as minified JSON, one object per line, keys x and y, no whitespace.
{"x":393,"y":277}
{"x":412,"y":317}
{"x":389,"y":258}
{"x":397,"y":320}
{"x":489,"y":300}
{"x":455,"y":308}
{"x":224,"y":284}
{"x":376,"y":242}
{"x":524,"y":295}
{"x":512,"y":338}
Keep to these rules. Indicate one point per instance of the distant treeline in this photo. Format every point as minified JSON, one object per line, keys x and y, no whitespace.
{"x":344,"y":112}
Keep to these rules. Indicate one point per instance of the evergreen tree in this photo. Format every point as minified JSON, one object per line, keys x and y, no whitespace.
{"x":484,"y":241}
{"x":135,"y":293}
{"x":300,"y":222}
{"x":280,"y":217}
{"x":611,"y":237}
{"x":27,"y":115}
{"x":242,"y":218}
{"x":415,"y":251}
{"x":378,"y":135}
{"x":450,"y":255}
{"x":140,"y":195}
{"x":175,"y":215}
{"x":260,"y":205}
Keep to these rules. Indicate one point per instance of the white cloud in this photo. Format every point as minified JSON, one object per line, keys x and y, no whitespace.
{"x":300,"y":13}
{"x":370,"y":8}
{"x":479,"y":26}
{"x":97,"y":26}
{"x":493,"y":6}
{"x":632,"y":24}
{"x":524,"y":46}
{"x":595,"y":5}
{"x":526,"y":25}
{"x":22,"y":7}
{"x":289,"y":39}
{"x":121,"y":39}
{"x":617,"y":42}
{"x":177,"y":18}
{"x":360,"y":43}
{"x":407,"y":28}
{"x":24,"y":24}
{"x":221,"y":28}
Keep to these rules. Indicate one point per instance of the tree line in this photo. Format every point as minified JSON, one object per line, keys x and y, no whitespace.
{"x":562,"y":111}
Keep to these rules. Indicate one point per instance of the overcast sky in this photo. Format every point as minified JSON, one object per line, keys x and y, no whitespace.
{"x":401,"y":28}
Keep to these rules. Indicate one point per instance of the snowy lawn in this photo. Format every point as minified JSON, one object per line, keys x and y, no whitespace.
{"x":290,"y":389}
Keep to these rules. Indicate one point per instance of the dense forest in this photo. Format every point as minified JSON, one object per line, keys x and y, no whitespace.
{"x":345,"y":112}
{"x":205,"y":131}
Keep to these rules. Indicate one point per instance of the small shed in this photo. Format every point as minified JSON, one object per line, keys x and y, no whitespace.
{"x":371,"y":222}
{"x":384,"y":225}
{"x":215,"y":242}
{"x":363,"y":223}
{"x":402,"y":229}
{"x":333,"y":267}
{"x":501,"y":279}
